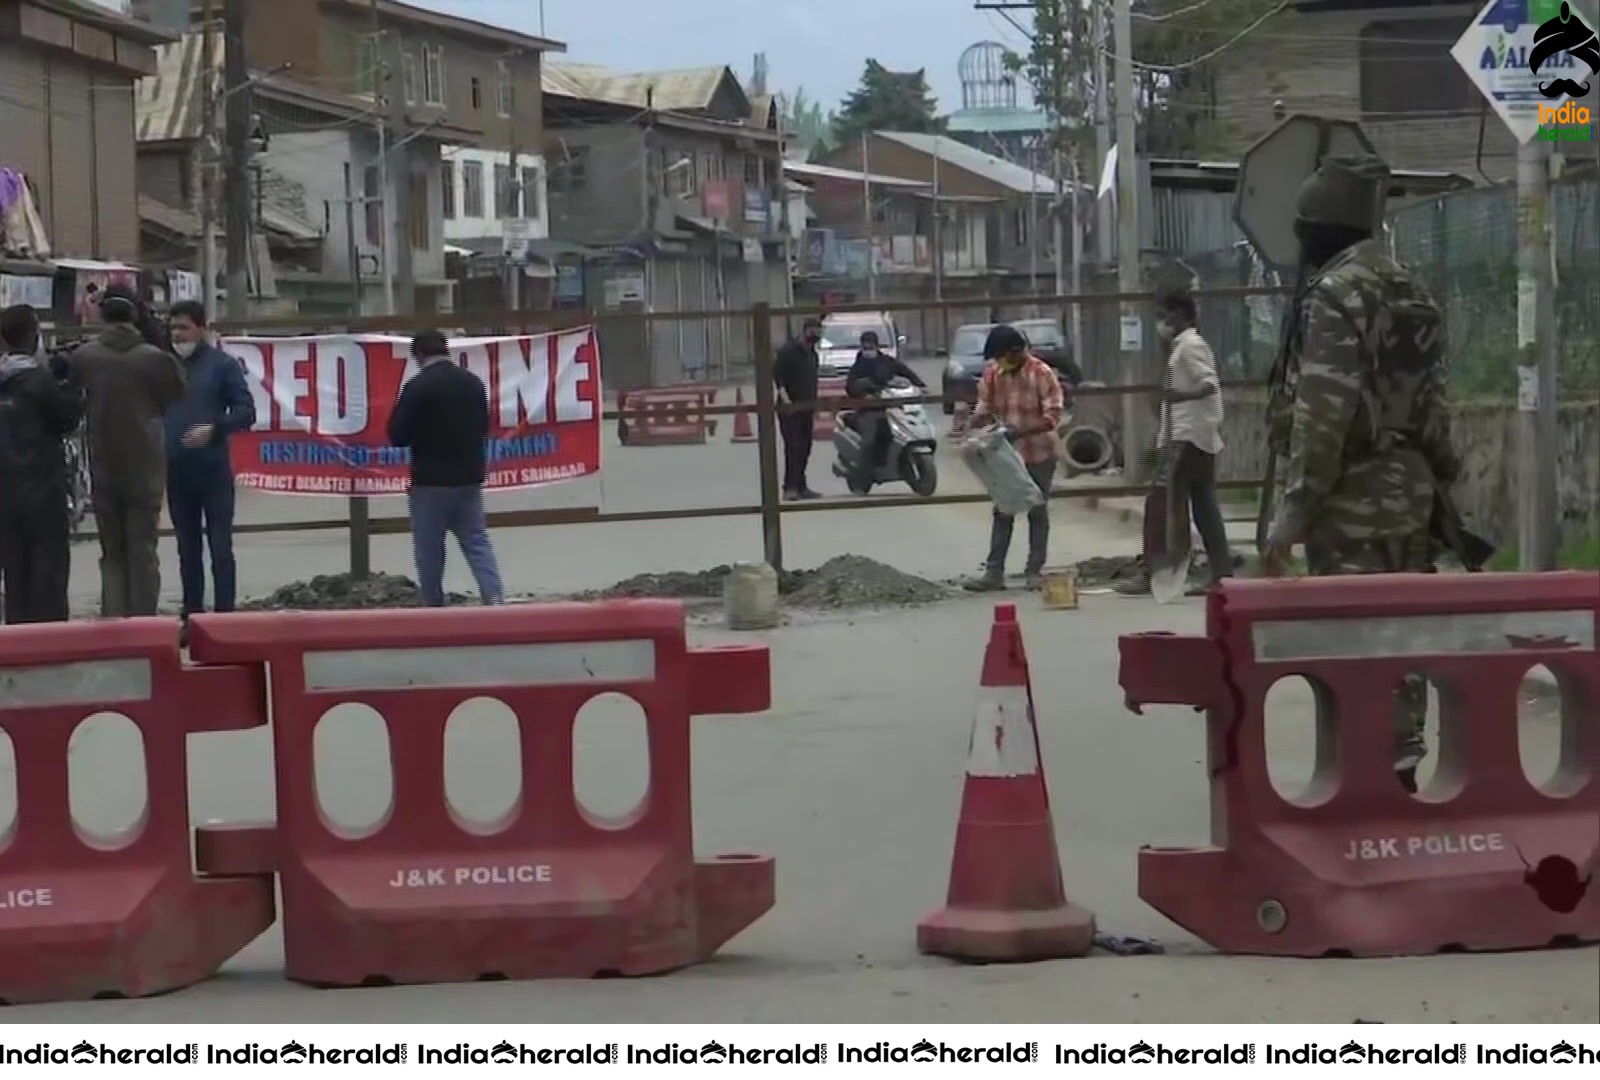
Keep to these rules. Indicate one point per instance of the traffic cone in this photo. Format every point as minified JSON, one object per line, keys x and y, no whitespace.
{"x":744,"y":427}
{"x":1006,"y":901}
{"x":961,"y":420}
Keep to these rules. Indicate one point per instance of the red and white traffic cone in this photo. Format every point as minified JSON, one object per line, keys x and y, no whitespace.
{"x":1006,"y":901}
{"x":744,"y":427}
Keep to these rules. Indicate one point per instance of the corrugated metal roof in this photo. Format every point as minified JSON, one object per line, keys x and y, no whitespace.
{"x":173,"y":220}
{"x":828,"y":172}
{"x":996,"y":170}
{"x":167,"y":105}
{"x":681,"y":90}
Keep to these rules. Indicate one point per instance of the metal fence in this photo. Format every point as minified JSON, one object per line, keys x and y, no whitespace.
{"x":1464,"y":245}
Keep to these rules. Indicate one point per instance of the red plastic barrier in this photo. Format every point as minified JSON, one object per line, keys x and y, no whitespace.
{"x":553,"y":893}
{"x":670,"y":415}
{"x":830,"y":389}
{"x":1480,"y":859}
{"x":84,"y":916}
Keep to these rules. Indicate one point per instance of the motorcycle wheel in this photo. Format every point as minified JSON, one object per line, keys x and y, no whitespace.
{"x":922,"y":473}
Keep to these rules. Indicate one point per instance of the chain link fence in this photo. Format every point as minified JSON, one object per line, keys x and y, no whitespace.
{"x":1464,"y":245}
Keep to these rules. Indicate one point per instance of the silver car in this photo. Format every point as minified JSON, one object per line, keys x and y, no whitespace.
{"x":841,"y":340}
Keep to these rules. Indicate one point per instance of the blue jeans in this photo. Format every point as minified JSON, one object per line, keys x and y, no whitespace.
{"x":200,"y":500}
{"x":437,"y":511}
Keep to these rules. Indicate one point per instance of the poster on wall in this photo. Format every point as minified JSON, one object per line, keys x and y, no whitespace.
{"x":323,"y":406}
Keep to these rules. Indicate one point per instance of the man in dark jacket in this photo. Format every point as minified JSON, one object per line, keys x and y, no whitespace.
{"x":443,"y":417}
{"x":200,"y":493}
{"x":38,"y":410}
{"x":795,"y":373}
{"x":873,"y":370}
{"x":129,"y":385}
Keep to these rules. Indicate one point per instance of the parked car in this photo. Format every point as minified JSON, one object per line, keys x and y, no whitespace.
{"x":841,"y":339}
{"x":966,"y":362}
{"x":1053,"y":347}
{"x":965,"y":365}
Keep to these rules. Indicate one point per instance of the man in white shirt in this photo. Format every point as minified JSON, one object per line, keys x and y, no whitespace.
{"x":1196,"y":402}
{"x":1194,"y":398}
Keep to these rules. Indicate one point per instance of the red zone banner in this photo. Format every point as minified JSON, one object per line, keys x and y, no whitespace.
{"x":323,"y":407}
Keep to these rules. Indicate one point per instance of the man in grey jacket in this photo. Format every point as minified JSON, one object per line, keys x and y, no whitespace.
{"x":128,"y":385}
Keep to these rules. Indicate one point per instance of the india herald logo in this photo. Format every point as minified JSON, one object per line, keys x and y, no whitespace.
{"x":1564,"y":33}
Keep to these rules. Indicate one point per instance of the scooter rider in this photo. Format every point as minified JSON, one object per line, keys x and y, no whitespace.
{"x":869,"y":375}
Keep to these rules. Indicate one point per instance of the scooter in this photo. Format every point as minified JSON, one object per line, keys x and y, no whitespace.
{"x":912,"y":441}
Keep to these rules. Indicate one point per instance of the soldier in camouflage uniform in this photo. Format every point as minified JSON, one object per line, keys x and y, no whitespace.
{"x":1363,"y":409}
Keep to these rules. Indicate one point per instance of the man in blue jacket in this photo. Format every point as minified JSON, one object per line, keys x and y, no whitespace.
{"x":200,"y":495}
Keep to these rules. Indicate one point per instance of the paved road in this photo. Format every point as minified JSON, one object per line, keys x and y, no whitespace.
{"x":852,"y":781}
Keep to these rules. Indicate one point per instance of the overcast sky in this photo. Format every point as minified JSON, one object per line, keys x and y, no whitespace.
{"x":819,"y":44}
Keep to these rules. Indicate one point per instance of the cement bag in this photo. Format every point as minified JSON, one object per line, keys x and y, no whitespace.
{"x":999,"y":467}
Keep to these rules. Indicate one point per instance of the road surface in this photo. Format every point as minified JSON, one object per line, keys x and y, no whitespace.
{"x":852,"y":781}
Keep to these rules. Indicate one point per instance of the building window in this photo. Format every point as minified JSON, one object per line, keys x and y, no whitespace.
{"x":477,"y":93}
{"x":507,"y":90}
{"x":531,"y":207}
{"x":1406,"y":68}
{"x":432,"y":75}
{"x":472,"y":189}
{"x":1019,"y":225}
{"x":502,"y":191}
{"x":372,"y":205}
{"x":753,"y":172}
{"x":571,"y":173}
{"x":408,"y":78}
{"x":680,"y":172}
{"x":711,"y":165}
{"x":447,"y":189}
{"x":421,"y":238}
{"x":366,"y":80}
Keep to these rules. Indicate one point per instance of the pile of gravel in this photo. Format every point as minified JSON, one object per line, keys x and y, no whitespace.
{"x":848,"y":581}
{"x":341,"y":592}
{"x":851,"y":581}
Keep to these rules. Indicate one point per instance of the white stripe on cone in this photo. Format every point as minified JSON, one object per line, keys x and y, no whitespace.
{"x":1003,"y":743}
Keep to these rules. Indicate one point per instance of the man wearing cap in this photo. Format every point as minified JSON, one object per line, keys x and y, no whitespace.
{"x":128,"y":385}
{"x":1020,"y":392}
{"x":1364,"y":422}
{"x":794,"y":370}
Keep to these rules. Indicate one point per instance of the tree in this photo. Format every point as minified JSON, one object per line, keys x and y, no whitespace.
{"x":887,"y":101}
{"x":804,"y":120}
{"x":1177,"y":78}
{"x":1176,"y":95}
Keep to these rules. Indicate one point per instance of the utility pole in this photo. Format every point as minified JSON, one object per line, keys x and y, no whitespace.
{"x":1539,"y":534}
{"x":866,"y":215}
{"x":398,"y":188}
{"x":938,"y":248}
{"x":1033,"y":220}
{"x":1136,"y":418}
{"x":236,"y":187}
{"x":1102,"y":133}
{"x":514,"y":193}
{"x":381,"y":92}
{"x":209,"y":145}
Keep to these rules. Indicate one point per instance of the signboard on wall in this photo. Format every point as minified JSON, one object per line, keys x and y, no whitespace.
{"x":626,"y":287}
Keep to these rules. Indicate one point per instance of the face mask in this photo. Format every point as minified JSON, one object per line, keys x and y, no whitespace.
{"x":1167,"y":330}
{"x":184,"y":349}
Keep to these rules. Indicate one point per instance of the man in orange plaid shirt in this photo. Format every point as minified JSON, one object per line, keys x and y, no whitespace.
{"x":1020,"y":392}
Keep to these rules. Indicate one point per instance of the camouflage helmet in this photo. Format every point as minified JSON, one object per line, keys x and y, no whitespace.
{"x":1347,"y":190}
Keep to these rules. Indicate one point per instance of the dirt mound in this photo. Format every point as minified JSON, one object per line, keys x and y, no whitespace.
{"x":848,"y":581}
{"x":341,"y":592}
{"x":851,"y":581}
